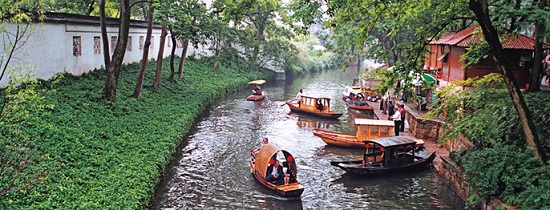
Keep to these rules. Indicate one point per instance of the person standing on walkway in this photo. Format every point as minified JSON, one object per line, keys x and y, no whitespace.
{"x":391,"y":109}
{"x":403,"y":112}
{"x":396,"y":117}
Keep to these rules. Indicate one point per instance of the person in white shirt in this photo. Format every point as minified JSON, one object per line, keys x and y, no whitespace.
{"x":299,"y":95}
{"x":396,"y":117}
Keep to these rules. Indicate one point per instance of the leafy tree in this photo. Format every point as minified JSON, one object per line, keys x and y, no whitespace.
{"x":113,"y":69}
{"x":85,"y":7}
{"x":425,"y":20}
{"x":20,"y":13}
{"x":480,"y":8}
{"x":262,"y":24}
{"x":146,"y":47}
{"x":191,"y":23}
{"x":485,"y":115}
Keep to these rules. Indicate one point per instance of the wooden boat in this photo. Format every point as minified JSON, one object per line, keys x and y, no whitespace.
{"x":367,"y":129}
{"x":260,"y":162}
{"x":256,"y":97}
{"x":387,"y":155}
{"x":314,"y":105}
{"x":258,"y":94}
{"x":356,"y":97}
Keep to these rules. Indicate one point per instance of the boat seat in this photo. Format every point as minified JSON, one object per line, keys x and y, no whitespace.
{"x":288,"y":186}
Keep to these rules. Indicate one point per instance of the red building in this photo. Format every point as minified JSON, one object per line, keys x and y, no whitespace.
{"x":445,"y":55}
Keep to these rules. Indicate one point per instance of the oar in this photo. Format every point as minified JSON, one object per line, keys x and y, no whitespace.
{"x":284,"y":103}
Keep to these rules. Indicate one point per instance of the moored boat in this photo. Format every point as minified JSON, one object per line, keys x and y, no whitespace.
{"x":314,"y":105}
{"x":356,"y":97}
{"x":387,"y":155}
{"x":260,"y":163}
{"x":366,"y":129}
{"x":257,"y":94}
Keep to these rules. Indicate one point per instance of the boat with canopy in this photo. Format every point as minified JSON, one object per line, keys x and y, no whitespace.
{"x":265,"y":157}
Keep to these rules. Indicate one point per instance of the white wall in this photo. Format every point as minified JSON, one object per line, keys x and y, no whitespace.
{"x":49,"y":49}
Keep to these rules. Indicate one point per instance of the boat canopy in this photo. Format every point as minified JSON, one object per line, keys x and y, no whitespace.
{"x":266,"y":153}
{"x":363,"y":121}
{"x":360,"y":89}
{"x":316,"y":97}
{"x":392,"y":141}
{"x":257,"y":82}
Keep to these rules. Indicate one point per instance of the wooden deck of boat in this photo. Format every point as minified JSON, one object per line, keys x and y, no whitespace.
{"x":289,"y":186}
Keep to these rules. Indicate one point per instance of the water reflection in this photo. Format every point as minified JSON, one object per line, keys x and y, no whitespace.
{"x":310,"y":123}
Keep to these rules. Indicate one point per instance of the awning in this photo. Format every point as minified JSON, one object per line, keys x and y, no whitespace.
{"x":442,"y":56}
{"x":429,"y":78}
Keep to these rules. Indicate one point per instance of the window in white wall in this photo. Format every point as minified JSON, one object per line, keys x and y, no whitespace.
{"x":152,"y":46}
{"x":113,"y":43}
{"x":141,"y":42}
{"x":169,"y":41}
{"x":179,"y":44}
{"x":129,"y":46}
{"x":97,"y":45}
{"x":77,"y":46}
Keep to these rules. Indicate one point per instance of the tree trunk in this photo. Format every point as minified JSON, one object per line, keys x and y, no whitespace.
{"x":183,"y":56}
{"x":172,"y":56}
{"x":479,"y":7}
{"x":145,"y":58}
{"x":104,"y":37}
{"x":113,"y":70}
{"x":252,"y":61}
{"x":9,"y":49}
{"x":160,"y":57}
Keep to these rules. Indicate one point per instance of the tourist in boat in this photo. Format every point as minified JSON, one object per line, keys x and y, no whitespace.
{"x":276,"y":174}
{"x":289,"y":174}
{"x":319,"y":105}
{"x":396,"y":117}
{"x":257,"y":90}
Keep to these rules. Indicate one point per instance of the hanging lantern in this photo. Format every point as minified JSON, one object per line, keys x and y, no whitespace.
{"x":382,"y":149}
{"x":367,"y":146}
{"x":289,"y":158}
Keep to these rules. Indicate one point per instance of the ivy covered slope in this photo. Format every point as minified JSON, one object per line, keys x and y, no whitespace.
{"x":98,"y":154}
{"x":500,"y":164}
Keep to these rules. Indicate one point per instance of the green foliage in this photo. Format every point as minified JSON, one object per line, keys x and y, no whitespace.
{"x":19,"y":11}
{"x":476,"y":50}
{"x":500,"y":163}
{"x":261,"y":26}
{"x":508,"y":172}
{"x":311,"y":56}
{"x":18,"y":169}
{"x":103,"y":154}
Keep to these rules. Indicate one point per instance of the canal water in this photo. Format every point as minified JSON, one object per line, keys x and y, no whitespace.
{"x":211,"y":168}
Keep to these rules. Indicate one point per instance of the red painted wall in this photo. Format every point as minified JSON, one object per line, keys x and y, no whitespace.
{"x":452,"y":69}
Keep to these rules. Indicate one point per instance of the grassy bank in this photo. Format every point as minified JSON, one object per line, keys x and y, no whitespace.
{"x":98,"y":154}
